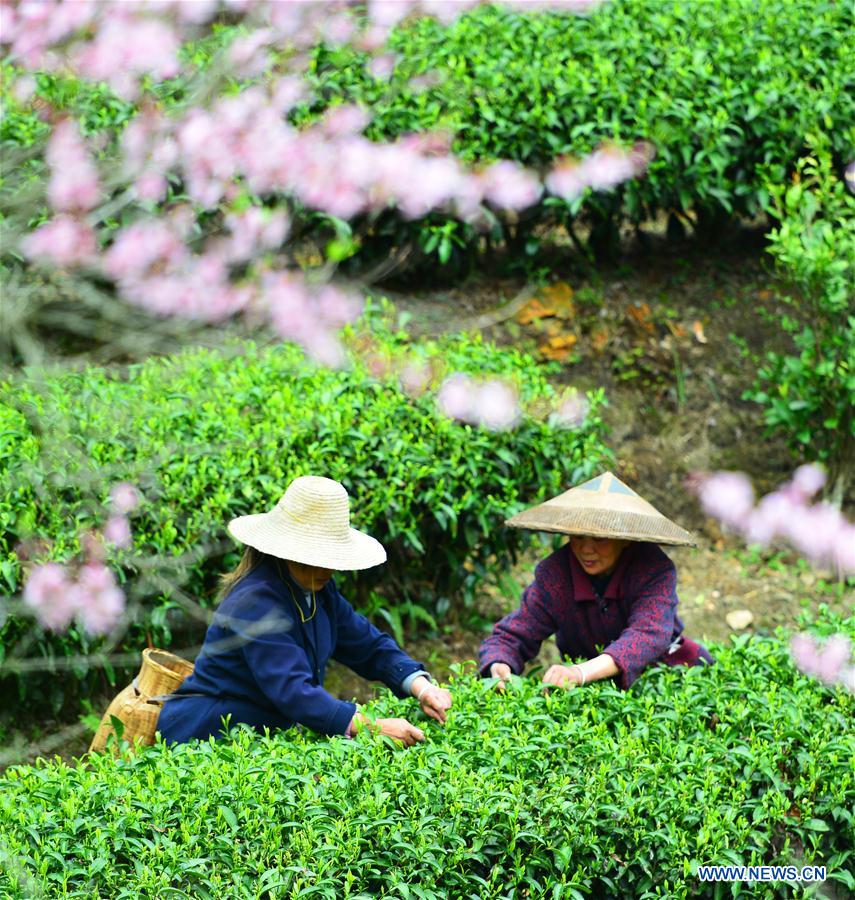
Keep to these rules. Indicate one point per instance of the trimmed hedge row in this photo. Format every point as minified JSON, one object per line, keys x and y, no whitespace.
{"x":726,"y":90}
{"x":209,"y":436}
{"x":588,"y":793}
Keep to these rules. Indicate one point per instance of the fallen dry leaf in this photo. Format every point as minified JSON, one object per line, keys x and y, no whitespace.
{"x":558,"y":348}
{"x":698,"y":332}
{"x":600,"y":338}
{"x":678,"y":330}
{"x":639,"y":314}
{"x":560,"y":297}
{"x":534,"y":310}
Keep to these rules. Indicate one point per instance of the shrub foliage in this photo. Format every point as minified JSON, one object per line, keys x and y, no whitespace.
{"x":808,"y":394}
{"x":211,"y":435}
{"x":726,"y":90}
{"x":588,"y":793}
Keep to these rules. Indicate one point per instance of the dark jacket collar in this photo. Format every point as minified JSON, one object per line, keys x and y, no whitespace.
{"x":583,"y":587}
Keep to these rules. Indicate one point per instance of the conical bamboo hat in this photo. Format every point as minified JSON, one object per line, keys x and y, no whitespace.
{"x":603,"y":507}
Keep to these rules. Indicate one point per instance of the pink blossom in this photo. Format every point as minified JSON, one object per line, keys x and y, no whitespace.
{"x":843,"y":550}
{"x":812,"y":530}
{"x":125,"y":48}
{"x":496,"y":405}
{"x":767,"y":520}
{"x":63,"y":241}
{"x":388,"y":13}
{"x":73,"y":185}
{"x":372,"y":39}
{"x":337,"y":307}
{"x":141,"y":246}
{"x":48,"y":593}
{"x":828,"y":662}
{"x":834,"y":656}
{"x":151,"y":187}
{"x":117,"y":531}
{"x":124,"y":497}
{"x":348,"y":118}
{"x":572,"y":411}
{"x":566,"y":179}
{"x":414,"y":379}
{"x":607,"y":167}
{"x":455,"y":396}
{"x":808,"y":479}
{"x":322,"y":346}
{"x":727,"y":496}
{"x":382,"y":67}
{"x":253,"y":230}
{"x":23,"y":88}
{"x":447,"y":10}
{"x":287,"y":92}
{"x":249,"y":53}
{"x":98,"y":598}
{"x":338,"y":29}
{"x":510,"y":186}
{"x":819,"y":531}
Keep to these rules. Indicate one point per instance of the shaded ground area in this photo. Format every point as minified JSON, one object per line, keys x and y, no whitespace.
{"x":670,"y":335}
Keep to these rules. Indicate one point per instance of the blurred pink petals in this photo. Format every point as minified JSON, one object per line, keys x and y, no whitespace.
{"x":828,"y":661}
{"x":63,"y":241}
{"x":493,"y":403}
{"x":124,"y":498}
{"x":55,"y":598}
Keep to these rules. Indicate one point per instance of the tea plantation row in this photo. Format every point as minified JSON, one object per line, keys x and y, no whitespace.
{"x":591,"y":793}
{"x":209,"y":435}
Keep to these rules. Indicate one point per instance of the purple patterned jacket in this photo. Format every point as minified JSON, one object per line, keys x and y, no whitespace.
{"x":635,"y":622}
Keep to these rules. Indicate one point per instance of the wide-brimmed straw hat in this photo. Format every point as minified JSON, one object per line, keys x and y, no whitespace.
{"x":311,"y":525}
{"x":603,"y":507}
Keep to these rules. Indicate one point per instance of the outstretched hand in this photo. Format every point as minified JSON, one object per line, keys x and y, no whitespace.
{"x":503,"y":672}
{"x":398,"y":729}
{"x":435,"y":701}
{"x":562,"y":676}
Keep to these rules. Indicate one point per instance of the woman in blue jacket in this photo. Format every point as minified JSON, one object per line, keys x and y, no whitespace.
{"x":282,"y":619}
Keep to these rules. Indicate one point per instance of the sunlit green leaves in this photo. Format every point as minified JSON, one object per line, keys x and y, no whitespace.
{"x":588,"y":793}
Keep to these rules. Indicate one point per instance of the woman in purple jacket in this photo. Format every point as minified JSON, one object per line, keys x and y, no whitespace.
{"x":282,"y":619}
{"x":609,"y":596}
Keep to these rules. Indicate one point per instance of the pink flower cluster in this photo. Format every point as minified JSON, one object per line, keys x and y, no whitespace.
{"x":492,"y":403}
{"x":56,"y":595}
{"x":243,"y":143}
{"x":56,"y":598}
{"x":73,"y":189}
{"x":819,"y":531}
{"x":603,"y":170}
{"x":310,"y":316}
{"x":572,"y":410}
{"x":830,"y":662}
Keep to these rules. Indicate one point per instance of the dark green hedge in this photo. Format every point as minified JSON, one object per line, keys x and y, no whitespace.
{"x":592,"y":793}
{"x":726,"y":90}
{"x":211,"y":435}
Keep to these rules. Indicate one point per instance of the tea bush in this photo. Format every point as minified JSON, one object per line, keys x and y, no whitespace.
{"x":726,"y":90}
{"x":809,"y":394}
{"x":210,"y":435}
{"x":589,"y":793}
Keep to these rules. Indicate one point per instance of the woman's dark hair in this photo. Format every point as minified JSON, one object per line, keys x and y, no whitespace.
{"x":250,"y":559}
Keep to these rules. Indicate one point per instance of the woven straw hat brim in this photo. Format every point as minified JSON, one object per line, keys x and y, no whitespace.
{"x":603,"y":507}
{"x":272,"y":535}
{"x":603,"y":523}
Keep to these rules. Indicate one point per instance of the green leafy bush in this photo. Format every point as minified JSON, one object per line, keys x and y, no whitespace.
{"x":589,"y":793}
{"x":809,"y":394}
{"x":209,"y":436}
{"x":725,"y":90}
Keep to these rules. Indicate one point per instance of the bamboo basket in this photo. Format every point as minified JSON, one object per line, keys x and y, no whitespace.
{"x":138,"y":706}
